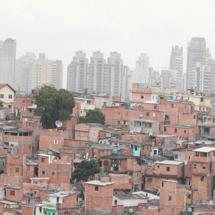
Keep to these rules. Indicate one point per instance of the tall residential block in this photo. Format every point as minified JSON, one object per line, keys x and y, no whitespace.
{"x":196,"y":52}
{"x":57,"y":74}
{"x":141,"y":71}
{"x":23,"y":74}
{"x":7,"y":61}
{"x":96,"y":73}
{"x":77,"y":73}
{"x":176,"y":63}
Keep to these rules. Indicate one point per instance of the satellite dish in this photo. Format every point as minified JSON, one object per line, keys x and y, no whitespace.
{"x":58,"y":123}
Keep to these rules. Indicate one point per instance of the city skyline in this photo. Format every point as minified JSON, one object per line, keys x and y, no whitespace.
{"x":107,"y":26}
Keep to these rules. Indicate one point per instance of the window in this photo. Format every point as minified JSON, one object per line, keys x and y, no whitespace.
{"x":29,"y":147}
{"x":185,"y":131}
{"x":23,"y":108}
{"x":158,"y":167}
{"x":106,"y":163}
{"x":175,"y":129}
{"x":130,"y":173}
{"x":194,"y":166}
{"x":202,"y":178}
{"x":115,"y":202}
{"x":189,"y":196}
{"x":153,"y":114}
{"x":150,"y":125}
{"x":32,"y":102}
{"x":1,"y":96}
{"x":43,"y":172}
{"x":164,"y":128}
{"x":170,"y":198}
{"x":96,"y":188}
{"x":118,"y":122}
{"x":135,"y":147}
{"x":147,"y":113}
{"x":42,"y":159}
{"x":214,"y":153}
{"x":168,"y":169}
{"x":86,"y":134}
{"x":203,"y":167}
{"x":197,"y":154}
{"x":53,"y":173}
{"x":17,"y":169}
{"x":194,"y":116}
{"x":9,"y":106}
{"x":10,"y":96}
{"x":142,"y":97}
{"x":155,"y":106}
{"x":23,"y":101}
{"x":176,"y":156}
{"x":12,"y":192}
{"x":172,"y":105}
{"x":149,"y":180}
{"x":202,"y":99}
{"x":162,"y":184}
{"x":55,"y":141}
{"x":79,"y":134}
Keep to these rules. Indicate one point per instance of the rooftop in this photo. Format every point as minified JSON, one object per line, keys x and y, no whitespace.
{"x":169,"y":162}
{"x":205,"y":149}
{"x":99,"y":183}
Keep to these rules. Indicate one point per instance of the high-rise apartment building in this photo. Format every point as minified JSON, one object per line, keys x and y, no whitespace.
{"x":201,"y":79}
{"x":126,"y":84}
{"x":141,"y":71}
{"x":169,"y":78}
{"x":7,"y":61}
{"x":96,"y":73}
{"x":113,"y":76}
{"x":196,"y":52}
{"x":57,"y":74}
{"x":23,"y":74}
{"x":211,"y":64}
{"x":77,"y":73}
{"x":176,"y":63}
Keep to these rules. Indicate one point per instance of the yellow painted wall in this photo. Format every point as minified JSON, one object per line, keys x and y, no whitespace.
{"x":6,"y":91}
{"x":171,"y":90}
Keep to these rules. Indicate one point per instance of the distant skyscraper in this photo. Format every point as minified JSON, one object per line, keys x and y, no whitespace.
{"x":113,"y":75}
{"x":96,"y":73}
{"x":141,"y":71}
{"x":202,"y":77}
{"x":57,"y":74}
{"x":169,"y":78}
{"x":23,"y":74}
{"x":211,"y":64}
{"x":176,"y":63}
{"x":77,"y":73}
{"x":126,"y":83}
{"x":7,"y":61}
{"x":196,"y":52}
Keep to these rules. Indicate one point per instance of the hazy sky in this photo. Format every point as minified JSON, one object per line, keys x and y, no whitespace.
{"x":61,"y":27}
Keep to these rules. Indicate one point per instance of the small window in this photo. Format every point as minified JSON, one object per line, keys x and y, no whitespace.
{"x":23,"y":108}
{"x":185,"y":131}
{"x":2,"y":96}
{"x":17,"y":169}
{"x":158,"y":167}
{"x":150,"y":125}
{"x":203,"y":167}
{"x":149,"y":180}
{"x":168,"y":169}
{"x":55,"y":141}
{"x":135,"y":148}
{"x":194,"y":166}
{"x":29,"y":147}
{"x":164,"y":128}
{"x":202,"y":99}
{"x":214,"y":153}
{"x":53,"y":173}
{"x":12,"y":192}
{"x":79,"y":134}
{"x":96,"y":188}
{"x":170,"y":198}
{"x":162,"y":184}
{"x":172,"y":105}
{"x":175,"y":129}
{"x":130,"y":173}
{"x":10,"y":96}
{"x":23,"y":101}
{"x":155,"y":106}
{"x":43,"y":172}
{"x":32,"y":102}
{"x":42,"y":159}
{"x":197,"y":154}
{"x":176,"y":156}
{"x":115,"y":202}
{"x":9,"y":106}
{"x":202,"y":178}
{"x":194,"y":116}
{"x":147,"y":113}
{"x":118,"y":122}
{"x":142,"y":97}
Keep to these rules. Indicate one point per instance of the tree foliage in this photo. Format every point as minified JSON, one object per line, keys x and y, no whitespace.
{"x":53,"y":104}
{"x":1,"y":103}
{"x":93,"y":116}
{"x":85,"y":169}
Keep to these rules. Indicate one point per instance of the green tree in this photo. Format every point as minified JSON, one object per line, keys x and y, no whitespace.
{"x":1,"y":103}
{"x":53,"y":104}
{"x":85,"y":169}
{"x":93,"y":116}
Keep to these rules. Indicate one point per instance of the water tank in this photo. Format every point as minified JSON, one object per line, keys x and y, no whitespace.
{"x":54,"y":190}
{"x":8,"y":150}
{"x":130,"y":210}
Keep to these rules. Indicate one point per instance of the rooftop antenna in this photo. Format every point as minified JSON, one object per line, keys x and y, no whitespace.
{"x":58,"y":123}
